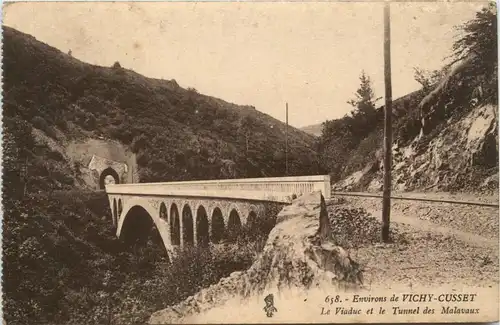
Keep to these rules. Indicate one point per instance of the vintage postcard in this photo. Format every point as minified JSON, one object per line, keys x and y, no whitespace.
{"x":249,"y":162}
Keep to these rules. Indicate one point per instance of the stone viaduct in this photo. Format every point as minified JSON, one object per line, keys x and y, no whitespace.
{"x":200,"y":212}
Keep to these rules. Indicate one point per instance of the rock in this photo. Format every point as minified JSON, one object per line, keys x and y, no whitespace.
{"x":299,"y":253}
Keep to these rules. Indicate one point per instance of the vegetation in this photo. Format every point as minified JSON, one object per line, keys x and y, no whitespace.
{"x":61,"y":261}
{"x":177,"y":134}
{"x":351,"y":143}
{"x":63,"y":265}
{"x":340,"y":137}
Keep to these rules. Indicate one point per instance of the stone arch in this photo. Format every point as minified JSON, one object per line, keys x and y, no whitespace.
{"x":218,"y":230}
{"x":202,"y":237}
{"x":233,"y":226}
{"x":235,"y":207}
{"x":139,"y":231}
{"x":108,"y":172}
{"x":114,"y":213}
{"x":187,"y":225}
{"x":163,"y":212}
{"x":175,"y":225}
{"x":253,"y":225}
{"x":251,"y":220}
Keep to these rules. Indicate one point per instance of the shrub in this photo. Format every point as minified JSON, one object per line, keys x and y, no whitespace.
{"x":41,"y":124}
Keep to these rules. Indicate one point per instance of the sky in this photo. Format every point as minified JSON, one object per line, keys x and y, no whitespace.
{"x":309,"y":54}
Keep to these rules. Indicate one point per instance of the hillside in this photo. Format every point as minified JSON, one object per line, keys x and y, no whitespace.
{"x":456,"y":151}
{"x":176,"y":134}
{"x":445,"y":136}
{"x":59,"y":247}
{"x":314,"y":129}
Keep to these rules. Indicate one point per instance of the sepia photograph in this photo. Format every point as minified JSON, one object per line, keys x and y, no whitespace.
{"x":249,"y":162}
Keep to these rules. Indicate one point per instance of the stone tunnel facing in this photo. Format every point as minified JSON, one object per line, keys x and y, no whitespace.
{"x":105,"y":173}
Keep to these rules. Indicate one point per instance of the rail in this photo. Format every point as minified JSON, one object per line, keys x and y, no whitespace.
{"x":493,"y":205}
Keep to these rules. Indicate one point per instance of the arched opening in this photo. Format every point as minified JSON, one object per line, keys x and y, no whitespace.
{"x":175,"y":225}
{"x":103,"y":179}
{"x":217,"y":226}
{"x":139,"y":232}
{"x":251,"y":227}
{"x":187,"y":226}
{"x":115,"y":213}
{"x":202,"y":227}
{"x":120,"y":208}
{"x":163,"y":212}
{"x":233,"y":226}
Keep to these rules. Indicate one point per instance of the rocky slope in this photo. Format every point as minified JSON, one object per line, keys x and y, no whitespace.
{"x":461,"y":155}
{"x":456,"y":148}
{"x":299,"y":255}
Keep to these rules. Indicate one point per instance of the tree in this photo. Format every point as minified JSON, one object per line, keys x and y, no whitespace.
{"x":479,"y":38}
{"x":246,"y":127}
{"x":429,"y":79}
{"x":364,"y":105}
{"x":478,"y":45}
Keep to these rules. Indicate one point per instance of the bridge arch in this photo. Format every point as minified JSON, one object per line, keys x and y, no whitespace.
{"x":233,"y":226}
{"x":202,"y":227}
{"x":251,"y":223}
{"x":187,"y":226}
{"x":218,"y":230}
{"x":163,"y":212}
{"x":175,"y":225}
{"x":108,"y":172}
{"x":138,"y":203}
{"x":140,"y":231}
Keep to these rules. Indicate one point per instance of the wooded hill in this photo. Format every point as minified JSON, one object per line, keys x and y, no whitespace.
{"x":177,"y":133}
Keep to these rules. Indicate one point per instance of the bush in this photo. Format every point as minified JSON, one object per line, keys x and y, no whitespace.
{"x":41,"y":124}
{"x":60,"y":252}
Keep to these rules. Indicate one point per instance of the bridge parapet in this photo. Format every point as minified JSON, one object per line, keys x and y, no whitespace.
{"x":251,"y":188}
{"x":160,"y":191}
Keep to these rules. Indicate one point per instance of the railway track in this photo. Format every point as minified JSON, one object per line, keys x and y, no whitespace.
{"x":408,"y":198}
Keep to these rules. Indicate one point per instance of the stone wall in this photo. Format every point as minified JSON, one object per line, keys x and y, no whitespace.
{"x":99,"y":164}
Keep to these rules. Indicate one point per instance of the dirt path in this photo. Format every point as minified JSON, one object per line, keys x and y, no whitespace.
{"x":426,"y":226}
{"x":446,"y":244}
{"x":477,"y":225}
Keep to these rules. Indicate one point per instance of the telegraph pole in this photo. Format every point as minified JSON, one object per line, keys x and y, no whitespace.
{"x":386,"y":203}
{"x":286,"y":141}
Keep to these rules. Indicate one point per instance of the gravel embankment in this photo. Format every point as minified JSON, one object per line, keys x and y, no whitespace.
{"x":424,"y":251}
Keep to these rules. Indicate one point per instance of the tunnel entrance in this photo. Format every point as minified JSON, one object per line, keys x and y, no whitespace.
{"x":202,"y":236}
{"x":175,"y":225}
{"x":109,"y":175}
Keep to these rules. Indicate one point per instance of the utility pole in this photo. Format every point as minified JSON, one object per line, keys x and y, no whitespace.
{"x":286,"y":141}
{"x":386,"y":203}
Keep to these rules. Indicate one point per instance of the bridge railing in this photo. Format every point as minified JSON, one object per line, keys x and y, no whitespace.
{"x":297,"y":185}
